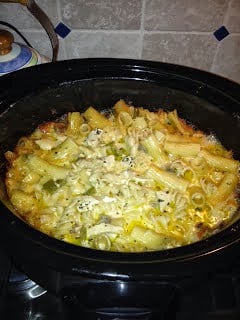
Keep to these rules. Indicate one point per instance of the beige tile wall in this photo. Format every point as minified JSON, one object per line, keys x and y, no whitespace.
{"x":165,"y":30}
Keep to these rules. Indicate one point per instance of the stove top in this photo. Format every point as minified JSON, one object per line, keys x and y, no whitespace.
{"x":216,"y":298}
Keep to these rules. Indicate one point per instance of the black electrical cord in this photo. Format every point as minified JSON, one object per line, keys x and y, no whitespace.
{"x":6,"y":24}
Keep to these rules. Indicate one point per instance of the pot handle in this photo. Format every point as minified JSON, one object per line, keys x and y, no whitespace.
{"x":122,"y":300}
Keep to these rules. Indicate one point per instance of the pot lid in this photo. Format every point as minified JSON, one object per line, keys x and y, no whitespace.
{"x":13,"y":55}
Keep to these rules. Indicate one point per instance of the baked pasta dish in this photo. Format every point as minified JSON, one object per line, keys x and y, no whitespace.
{"x":128,"y":180}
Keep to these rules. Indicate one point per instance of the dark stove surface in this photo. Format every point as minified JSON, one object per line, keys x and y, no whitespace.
{"x":217,"y":298}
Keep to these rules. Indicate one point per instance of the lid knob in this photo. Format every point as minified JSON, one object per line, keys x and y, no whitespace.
{"x":6,"y":40}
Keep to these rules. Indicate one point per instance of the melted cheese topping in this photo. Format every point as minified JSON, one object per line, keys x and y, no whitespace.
{"x":133,"y":181}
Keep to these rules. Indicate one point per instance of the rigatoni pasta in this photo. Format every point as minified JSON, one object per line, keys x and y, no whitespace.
{"x":219,"y":162}
{"x":132,"y":181}
{"x":182,"y":149}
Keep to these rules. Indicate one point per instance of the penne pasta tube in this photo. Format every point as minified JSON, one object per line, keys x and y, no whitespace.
{"x":139,"y":123}
{"x":44,"y":168}
{"x":65,"y":152}
{"x":156,"y":125}
{"x":121,"y":106}
{"x":182,"y":149}
{"x":85,"y":129}
{"x":225,"y":189}
{"x":197,"y":196}
{"x":148,"y":238}
{"x":152,"y":147}
{"x":102,"y":242}
{"x":199,"y":163}
{"x":166,"y":178}
{"x":74,"y":122}
{"x":220,"y":163}
{"x":173,"y":116}
{"x":124,"y":119}
{"x":96,"y":119}
{"x":23,"y":201}
{"x":179,"y":138}
{"x":188,"y":174}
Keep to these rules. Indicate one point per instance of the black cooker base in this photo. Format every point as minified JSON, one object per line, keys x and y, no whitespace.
{"x":216,"y":298}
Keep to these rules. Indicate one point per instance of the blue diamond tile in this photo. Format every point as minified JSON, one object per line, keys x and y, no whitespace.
{"x":62,"y":30}
{"x":221,"y":33}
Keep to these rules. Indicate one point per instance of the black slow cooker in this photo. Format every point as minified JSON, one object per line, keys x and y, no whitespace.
{"x":137,"y":283}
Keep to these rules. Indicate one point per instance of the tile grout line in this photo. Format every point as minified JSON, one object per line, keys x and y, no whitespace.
{"x":61,"y":43}
{"x":142,"y":28}
{"x":225,"y":19}
{"x":136,"y":31}
{"x":59,"y":10}
{"x":182,"y":32}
